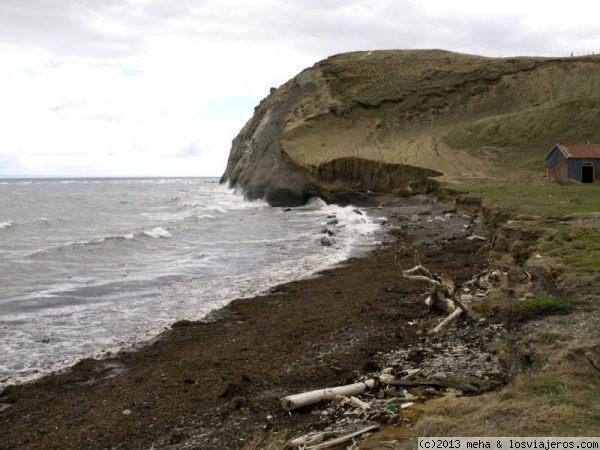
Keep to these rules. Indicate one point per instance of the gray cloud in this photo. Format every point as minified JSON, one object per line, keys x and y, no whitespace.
{"x":99,"y":29}
{"x":93,"y":28}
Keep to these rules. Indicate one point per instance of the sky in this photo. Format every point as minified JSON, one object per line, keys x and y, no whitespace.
{"x":161,"y":87}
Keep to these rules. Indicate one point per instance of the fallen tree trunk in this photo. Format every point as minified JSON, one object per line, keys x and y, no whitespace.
{"x":296,"y":401}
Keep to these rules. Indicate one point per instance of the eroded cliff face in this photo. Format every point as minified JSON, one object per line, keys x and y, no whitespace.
{"x":258,"y":163}
{"x":376,"y":121}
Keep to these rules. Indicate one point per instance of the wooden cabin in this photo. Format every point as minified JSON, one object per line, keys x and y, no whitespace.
{"x":576,"y":162}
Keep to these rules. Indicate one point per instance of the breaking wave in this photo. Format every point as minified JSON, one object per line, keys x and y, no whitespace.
{"x":157,"y":233}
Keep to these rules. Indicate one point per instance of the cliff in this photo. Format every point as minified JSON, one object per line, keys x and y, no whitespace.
{"x":399,"y":121}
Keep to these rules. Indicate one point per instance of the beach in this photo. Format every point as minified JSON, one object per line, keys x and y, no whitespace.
{"x":214,"y":384}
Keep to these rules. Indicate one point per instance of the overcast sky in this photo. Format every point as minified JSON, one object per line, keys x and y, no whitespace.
{"x":161,"y":87}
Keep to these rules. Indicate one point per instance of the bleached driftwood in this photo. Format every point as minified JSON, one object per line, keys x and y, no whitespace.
{"x":435,"y":381}
{"x":401,"y":399}
{"x":310,"y":439}
{"x":342,"y":439}
{"x":296,"y":401}
{"x":441,"y":292}
{"x":362,"y":405}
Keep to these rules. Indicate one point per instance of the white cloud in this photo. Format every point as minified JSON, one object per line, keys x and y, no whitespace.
{"x":152,"y":87}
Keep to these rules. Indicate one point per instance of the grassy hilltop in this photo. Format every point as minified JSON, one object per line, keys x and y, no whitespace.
{"x":382,"y":120}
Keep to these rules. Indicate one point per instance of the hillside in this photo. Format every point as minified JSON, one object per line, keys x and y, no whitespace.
{"x":385,"y":120}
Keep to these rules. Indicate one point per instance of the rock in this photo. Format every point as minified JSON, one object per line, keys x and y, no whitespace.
{"x":325,"y":241}
{"x":333,"y":222}
{"x":327,"y":231}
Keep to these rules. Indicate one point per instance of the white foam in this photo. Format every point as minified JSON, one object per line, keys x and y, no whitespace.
{"x":157,"y":233}
{"x":263,"y":246}
{"x":216,"y":208}
{"x":314,"y":203}
{"x":6,"y":225}
{"x":127,"y":236}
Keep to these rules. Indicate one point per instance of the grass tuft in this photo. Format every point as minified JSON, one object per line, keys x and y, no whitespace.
{"x":549,"y":337}
{"x":267,"y":441}
{"x":542,"y":306}
{"x":547,"y":387}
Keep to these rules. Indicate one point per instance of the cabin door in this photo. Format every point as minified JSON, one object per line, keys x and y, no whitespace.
{"x":587,"y":174}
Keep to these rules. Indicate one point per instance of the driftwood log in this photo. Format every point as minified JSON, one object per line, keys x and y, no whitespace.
{"x":435,"y":381}
{"x":336,"y":441}
{"x":310,"y":439}
{"x":296,"y":401}
{"x":441,"y":293}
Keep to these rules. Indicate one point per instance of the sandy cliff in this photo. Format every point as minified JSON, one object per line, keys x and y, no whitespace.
{"x":379,"y":121}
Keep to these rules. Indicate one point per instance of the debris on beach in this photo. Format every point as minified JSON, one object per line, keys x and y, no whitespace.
{"x":462,"y":361}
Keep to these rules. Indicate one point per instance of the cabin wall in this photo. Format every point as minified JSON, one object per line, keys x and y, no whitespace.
{"x":557,"y":166}
{"x":575,"y":167}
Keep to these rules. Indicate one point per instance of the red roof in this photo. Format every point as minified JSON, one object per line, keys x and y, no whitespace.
{"x":578,"y":151}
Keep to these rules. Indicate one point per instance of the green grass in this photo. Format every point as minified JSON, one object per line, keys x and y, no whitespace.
{"x":577,"y":390}
{"x":548,"y":305}
{"x":549,"y":337}
{"x":542,"y":198}
{"x":574,"y":120}
{"x":373,"y":77}
{"x":547,"y":387}
{"x":578,"y":248}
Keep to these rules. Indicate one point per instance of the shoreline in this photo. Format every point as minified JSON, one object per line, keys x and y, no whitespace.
{"x":234,"y":256}
{"x":212,"y":384}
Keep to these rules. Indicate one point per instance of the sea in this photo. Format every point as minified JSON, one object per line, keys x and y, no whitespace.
{"x":91,"y":267}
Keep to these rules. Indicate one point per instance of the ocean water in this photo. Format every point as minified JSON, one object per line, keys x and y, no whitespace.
{"x":94,"y":266}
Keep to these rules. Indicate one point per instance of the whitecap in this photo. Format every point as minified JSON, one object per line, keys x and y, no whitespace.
{"x":119,"y":237}
{"x":157,"y":233}
{"x":6,"y":225}
{"x":217,"y":208}
{"x":314,"y":203}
